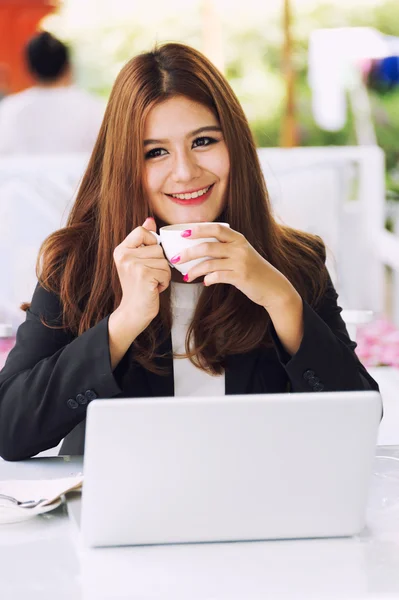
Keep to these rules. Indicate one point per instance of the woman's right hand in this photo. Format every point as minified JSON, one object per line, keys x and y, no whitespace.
{"x":144,"y":273}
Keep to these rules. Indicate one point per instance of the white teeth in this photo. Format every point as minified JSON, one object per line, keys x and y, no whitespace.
{"x":191,"y":196}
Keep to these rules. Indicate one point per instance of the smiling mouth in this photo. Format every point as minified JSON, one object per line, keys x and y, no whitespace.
{"x":192,"y":195}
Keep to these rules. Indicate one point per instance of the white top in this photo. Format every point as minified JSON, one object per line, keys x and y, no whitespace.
{"x":47,"y":120}
{"x":188,"y":379}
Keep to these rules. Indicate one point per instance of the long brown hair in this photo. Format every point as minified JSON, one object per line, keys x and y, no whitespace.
{"x":77,"y":264}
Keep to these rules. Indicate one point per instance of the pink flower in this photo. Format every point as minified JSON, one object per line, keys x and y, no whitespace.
{"x":378,"y":344}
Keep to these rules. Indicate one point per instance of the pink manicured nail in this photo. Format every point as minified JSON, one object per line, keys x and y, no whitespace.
{"x":185,"y":278}
{"x":175,"y":259}
{"x":186,"y":233}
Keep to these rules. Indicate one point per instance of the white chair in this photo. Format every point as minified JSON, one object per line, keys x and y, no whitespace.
{"x":36,"y":194}
{"x":339,"y":194}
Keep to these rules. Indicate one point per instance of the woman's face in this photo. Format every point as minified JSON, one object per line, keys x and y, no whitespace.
{"x":186,"y":162}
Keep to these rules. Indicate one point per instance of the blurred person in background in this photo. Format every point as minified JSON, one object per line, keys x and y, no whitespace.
{"x":53,"y":116}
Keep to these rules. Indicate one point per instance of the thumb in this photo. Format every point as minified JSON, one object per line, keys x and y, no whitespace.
{"x":149,"y":224}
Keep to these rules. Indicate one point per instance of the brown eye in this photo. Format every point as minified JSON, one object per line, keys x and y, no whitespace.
{"x":204,"y":141}
{"x":155,"y":152}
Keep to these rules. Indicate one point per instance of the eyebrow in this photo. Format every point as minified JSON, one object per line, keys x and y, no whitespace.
{"x":192,"y":134}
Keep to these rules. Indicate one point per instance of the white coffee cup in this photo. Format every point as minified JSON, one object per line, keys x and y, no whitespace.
{"x":173,"y":243}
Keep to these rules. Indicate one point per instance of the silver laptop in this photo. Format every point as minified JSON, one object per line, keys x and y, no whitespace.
{"x":173,"y":470}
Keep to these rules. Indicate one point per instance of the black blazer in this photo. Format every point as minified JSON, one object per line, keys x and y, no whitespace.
{"x":51,"y":376}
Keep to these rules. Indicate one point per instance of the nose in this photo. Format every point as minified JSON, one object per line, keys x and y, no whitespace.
{"x":185,"y":167}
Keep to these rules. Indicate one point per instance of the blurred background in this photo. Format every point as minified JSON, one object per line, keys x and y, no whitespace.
{"x":246,"y":40}
{"x":319,"y":82}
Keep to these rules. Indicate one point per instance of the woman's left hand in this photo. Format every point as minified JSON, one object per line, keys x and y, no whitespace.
{"x":234,"y":261}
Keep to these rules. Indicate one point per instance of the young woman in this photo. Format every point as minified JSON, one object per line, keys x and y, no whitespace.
{"x":110,"y":318}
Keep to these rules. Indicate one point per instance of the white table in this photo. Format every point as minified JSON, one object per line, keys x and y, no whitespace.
{"x":43,"y":559}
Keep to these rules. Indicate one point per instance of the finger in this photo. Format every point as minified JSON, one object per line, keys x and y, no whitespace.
{"x":150,"y":224}
{"x":125,"y":258}
{"x":215,"y":230}
{"x":159,"y":264}
{"x":145,"y":252}
{"x":213,"y":249}
{"x":158,"y":279}
{"x":230,"y":277}
{"x":139,"y":237}
{"x":209,"y":266}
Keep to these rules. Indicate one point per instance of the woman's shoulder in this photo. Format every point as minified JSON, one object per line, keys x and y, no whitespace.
{"x":45,"y":304}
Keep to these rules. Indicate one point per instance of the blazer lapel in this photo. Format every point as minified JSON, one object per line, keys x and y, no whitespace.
{"x":239,"y":370}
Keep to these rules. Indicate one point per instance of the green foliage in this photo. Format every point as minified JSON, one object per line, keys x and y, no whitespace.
{"x":385,"y":105}
{"x":386,"y":119}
